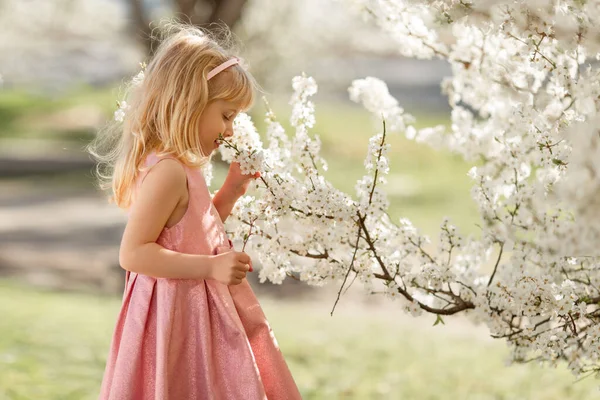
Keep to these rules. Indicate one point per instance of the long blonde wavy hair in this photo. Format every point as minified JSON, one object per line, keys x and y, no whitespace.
{"x":164,"y":108}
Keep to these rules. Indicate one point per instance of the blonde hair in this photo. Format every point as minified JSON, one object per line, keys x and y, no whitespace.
{"x":163,"y":110}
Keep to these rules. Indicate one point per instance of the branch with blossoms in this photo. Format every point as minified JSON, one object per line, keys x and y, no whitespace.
{"x":295,"y":222}
{"x":525,"y":92}
{"x":364,"y":241}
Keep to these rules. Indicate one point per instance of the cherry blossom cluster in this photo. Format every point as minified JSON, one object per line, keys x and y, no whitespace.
{"x":524,"y":93}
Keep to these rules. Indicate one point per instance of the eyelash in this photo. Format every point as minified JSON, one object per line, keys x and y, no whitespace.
{"x":228,"y":119}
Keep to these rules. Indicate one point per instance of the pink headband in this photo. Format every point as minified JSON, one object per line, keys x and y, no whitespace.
{"x":222,"y":67}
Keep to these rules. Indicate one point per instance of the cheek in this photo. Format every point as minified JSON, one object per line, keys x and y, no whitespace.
{"x":217,"y":125}
{"x":211,"y":129}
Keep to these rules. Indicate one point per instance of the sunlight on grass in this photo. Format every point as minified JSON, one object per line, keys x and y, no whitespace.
{"x":27,"y":114}
{"x":54,"y":346}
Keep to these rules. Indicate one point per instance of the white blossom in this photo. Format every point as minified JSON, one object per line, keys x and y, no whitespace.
{"x":375,"y":97}
{"x":121,"y":111}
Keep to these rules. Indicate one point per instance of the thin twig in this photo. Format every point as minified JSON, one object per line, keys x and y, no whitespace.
{"x":247,"y":238}
{"x":349,"y":269}
{"x":377,"y":165}
{"x":497,"y":263}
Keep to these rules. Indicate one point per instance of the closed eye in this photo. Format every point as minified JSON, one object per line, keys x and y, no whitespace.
{"x":225,"y":116}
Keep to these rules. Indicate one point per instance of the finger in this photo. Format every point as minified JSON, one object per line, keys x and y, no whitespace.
{"x":257,"y":175}
{"x":240,"y":266}
{"x":240,"y":275}
{"x":243,"y":258}
{"x":243,"y":267}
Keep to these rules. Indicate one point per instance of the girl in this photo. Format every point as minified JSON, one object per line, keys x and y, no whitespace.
{"x":190,"y":326}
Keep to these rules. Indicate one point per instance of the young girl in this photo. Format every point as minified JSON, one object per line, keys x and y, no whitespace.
{"x":190,"y":326}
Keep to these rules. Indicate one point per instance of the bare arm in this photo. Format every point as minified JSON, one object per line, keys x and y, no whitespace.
{"x":162,"y":190}
{"x":234,"y":187}
{"x":224,"y":202}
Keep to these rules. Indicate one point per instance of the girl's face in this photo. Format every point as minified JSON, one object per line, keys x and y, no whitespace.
{"x":217,"y":119}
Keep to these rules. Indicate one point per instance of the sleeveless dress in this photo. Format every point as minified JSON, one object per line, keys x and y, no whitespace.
{"x":180,"y":339}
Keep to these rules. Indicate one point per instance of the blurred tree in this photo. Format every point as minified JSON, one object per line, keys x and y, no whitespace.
{"x":53,"y":44}
{"x":202,"y":13}
{"x":59,"y":42}
{"x":277,"y":38}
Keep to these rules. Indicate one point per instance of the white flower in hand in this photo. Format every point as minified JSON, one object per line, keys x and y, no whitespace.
{"x":237,"y":180}
{"x":250,"y":162}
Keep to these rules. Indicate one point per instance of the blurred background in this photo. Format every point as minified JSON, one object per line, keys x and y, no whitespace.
{"x":63,"y":62}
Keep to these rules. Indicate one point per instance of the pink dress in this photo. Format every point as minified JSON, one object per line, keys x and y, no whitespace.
{"x":181,"y":339}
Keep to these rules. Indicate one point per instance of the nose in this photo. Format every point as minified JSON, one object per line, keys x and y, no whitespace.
{"x":228,"y":132}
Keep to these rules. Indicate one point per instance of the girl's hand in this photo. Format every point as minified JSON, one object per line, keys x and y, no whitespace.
{"x":237,"y":183}
{"x":230,"y":268}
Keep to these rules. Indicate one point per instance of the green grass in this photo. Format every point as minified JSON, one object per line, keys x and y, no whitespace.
{"x":26,"y":114}
{"x":53,"y":346}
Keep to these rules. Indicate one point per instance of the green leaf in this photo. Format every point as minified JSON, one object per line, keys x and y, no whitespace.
{"x":438,"y":320}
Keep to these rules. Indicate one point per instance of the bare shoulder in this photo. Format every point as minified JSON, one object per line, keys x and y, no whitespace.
{"x":167,"y":175}
{"x":162,"y":189}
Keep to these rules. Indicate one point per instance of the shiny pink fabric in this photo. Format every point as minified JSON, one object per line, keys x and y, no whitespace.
{"x":181,"y":339}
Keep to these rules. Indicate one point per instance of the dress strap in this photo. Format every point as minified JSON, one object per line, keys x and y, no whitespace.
{"x":152,"y":159}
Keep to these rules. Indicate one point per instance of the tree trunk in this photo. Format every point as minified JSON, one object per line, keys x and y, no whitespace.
{"x":228,"y":12}
{"x":141,"y":25}
{"x":187,"y":7}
